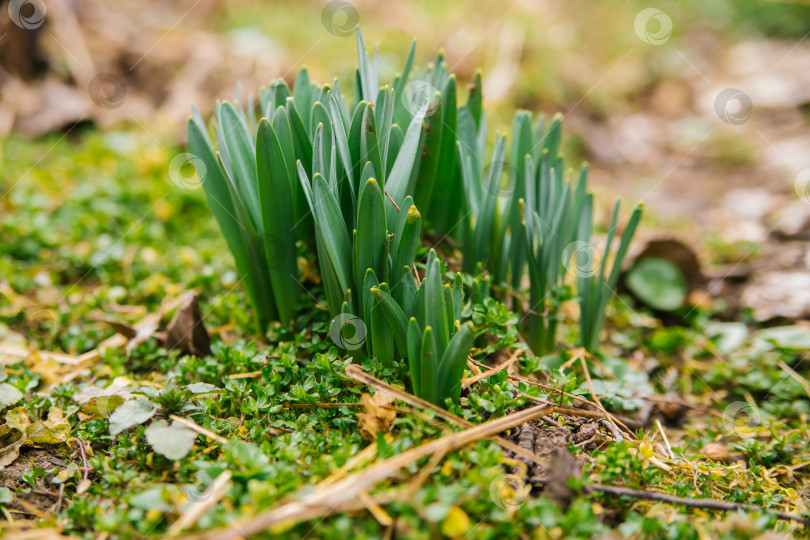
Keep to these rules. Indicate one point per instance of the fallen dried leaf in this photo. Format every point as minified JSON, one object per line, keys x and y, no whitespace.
{"x":54,"y":430}
{"x":716,"y":452}
{"x":186,"y":330}
{"x":376,"y":417}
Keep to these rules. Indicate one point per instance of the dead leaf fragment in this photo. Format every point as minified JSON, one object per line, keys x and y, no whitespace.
{"x":716,"y":451}
{"x":562,"y":467}
{"x":102,"y":406}
{"x":18,"y":419}
{"x":54,"y":430}
{"x":778,"y":294}
{"x":376,"y":416}
{"x":9,"y":395}
{"x":187,"y":332}
{"x":10,"y":441}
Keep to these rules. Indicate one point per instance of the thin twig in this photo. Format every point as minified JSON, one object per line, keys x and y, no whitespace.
{"x":580,"y":353}
{"x":375,"y":509}
{"x":798,"y":378}
{"x":575,"y":398}
{"x":85,"y":467}
{"x":666,"y":440}
{"x":248,"y":375}
{"x":392,"y":202}
{"x":194,"y":426}
{"x":61,"y":498}
{"x":320,"y":405}
{"x":356,"y":372}
{"x":489,"y":373}
{"x":208,"y":499}
{"x":709,"y":504}
{"x":325,"y":501}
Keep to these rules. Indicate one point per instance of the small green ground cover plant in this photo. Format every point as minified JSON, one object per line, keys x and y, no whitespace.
{"x":284,"y":406}
{"x":282,"y":440}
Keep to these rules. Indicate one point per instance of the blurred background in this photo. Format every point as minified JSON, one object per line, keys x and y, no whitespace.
{"x":641,"y":87}
{"x":700,"y":108}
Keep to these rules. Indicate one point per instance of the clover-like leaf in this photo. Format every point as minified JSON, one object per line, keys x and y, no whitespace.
{"x":9,"y":395}
{"x":173,"y":441}
{"x":131,"y":414}
{"x":658,"y":283}
{"x":202,"y":388}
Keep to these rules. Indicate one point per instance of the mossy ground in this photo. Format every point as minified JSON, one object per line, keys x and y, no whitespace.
{"x":93,"y":230}
{"x":84,"y":242}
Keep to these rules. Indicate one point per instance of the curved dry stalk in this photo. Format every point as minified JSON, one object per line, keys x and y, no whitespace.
{"x":325,"y":501}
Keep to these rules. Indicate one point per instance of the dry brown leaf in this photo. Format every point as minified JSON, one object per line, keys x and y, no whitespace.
{"x":186,"y":330}
{"x":54,"y":430}
{"x":10,"y":441}
{"x":376,"y":416}
{"x":716,"y":452}
{"x":563,"y":466}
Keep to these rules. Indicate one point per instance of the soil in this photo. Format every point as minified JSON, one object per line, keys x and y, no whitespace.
{"x":11,"y":477}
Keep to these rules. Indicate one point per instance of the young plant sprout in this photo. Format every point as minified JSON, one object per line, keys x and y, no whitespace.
{"x":306,"y":169}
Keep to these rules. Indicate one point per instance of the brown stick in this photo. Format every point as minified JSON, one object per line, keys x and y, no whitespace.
{"x":580,"y":353}
{"x":211,"y":497}
{"x":323,"y":501}
{"x":194,"y":426}
{"x":578,"y":399}
{"x":490,"y":372}
{"x":356,"y":372}
{"x":392,"y":202}
{"x":710,"y":504}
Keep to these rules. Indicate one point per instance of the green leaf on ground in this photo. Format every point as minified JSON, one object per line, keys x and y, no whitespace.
{"x":658,"y":283}
{"x":173,"y":441}
{"x":131,"y":414}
